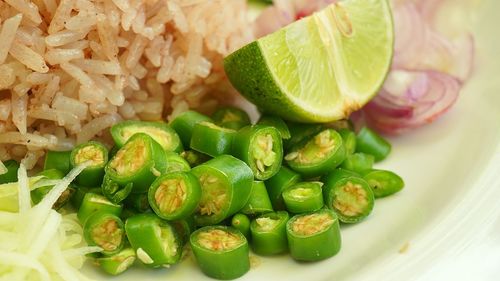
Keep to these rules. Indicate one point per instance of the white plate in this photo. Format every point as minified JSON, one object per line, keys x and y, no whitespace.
{"x":447,"y":217}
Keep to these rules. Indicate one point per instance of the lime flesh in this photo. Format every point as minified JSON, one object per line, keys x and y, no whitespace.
{"x":320,"y":68}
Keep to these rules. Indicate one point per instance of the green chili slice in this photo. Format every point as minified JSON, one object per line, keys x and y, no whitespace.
{"x":159,"y":131}
{"x":276,"y":122}
{"x":184,"y":228}
{"x":174,"y":196}
{"x":118,"y":263}
{"x":259,"y":201}
{"x":279,"y":182}
{"x":231,"y":117}
{"x":300,"y":132}
{"x":95,"y":153}
{"x":313,"y":236}
{"x":80,"y":191}
{"x":184,"y":123}
{"x":349,"y":195}
{"x":358,"y":162}
{"x":57,"y":160}
{"x":94,"y":203}
{"x":114,"y":191}
{"x":383,"y":183}
{"x":369,"y":142}
{"x":139,"y":162}
{"x":242,"y":223}
{"x":194,"y":158}
{"x":349,"y":140}
{"x":221,"y":252}
{"x":318,"y":155}
{"x":154,"y":240}
{"x":11,"y":174}
{"x":176,"y":163}
{"x":269,"y":233}
{"x":138,"y":202}
{"x":226,"y":183}
{"x":303,"y":197}
{"x":105,"y":230}
{"x":211,"y":139}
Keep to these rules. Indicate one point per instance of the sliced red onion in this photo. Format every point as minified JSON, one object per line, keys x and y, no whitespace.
{"x":410,"y":99}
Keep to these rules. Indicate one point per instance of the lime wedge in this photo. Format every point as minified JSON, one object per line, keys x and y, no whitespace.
{"x":320,"y":68}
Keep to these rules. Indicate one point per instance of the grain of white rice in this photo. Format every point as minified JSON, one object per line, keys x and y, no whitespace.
{"x":77,"y":107}
{"x":30,"y":10}
{"x":94,"y":127}
{"x":36,"y":78}
{"x":57,"y":56}
{"x":99,"y":66}
{"x":80,"y":44}
{"x":19,"y":112}
{"x":7,"y":35}
{"x":61,"y":14}
{"x":5,"y":108}
{"x":78,"y":74}
{"x":51,"y":6}
{"x":64,"y":37}
{"x":28,"y":57}
{"x":50,"y":90}
{"x":7,"y":78}
{"x":21,"y":89}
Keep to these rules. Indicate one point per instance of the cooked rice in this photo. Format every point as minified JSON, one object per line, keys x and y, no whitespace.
{"x":70,"y":69}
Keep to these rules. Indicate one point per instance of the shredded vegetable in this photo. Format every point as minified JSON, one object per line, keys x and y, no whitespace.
{"x":36,"y":242}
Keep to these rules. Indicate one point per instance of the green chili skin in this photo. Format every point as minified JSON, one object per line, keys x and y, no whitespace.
{"x":259,"y":201}
{"x":138,"y":202}
{"x":176,"y":163}
{"x":369,"y":142}
{"x":227,"y":260}
{"x":162,"y":133}
{"x":349,"y":195}
{"x":277,"y":123}
{"x":242,"y":223}
{"x":231,"y":117}
{"x":226,"y":183}
{"x":57,"y":160}
{"x":269,"y":233}
{"x":93,"y":203}
{"x":307,"y":241}
{"x":154,"y":240}
{"x":184,"y":123}
{"x":92,"y":151}
{"x":105,"y":230}
{"x":194,"y":158}
{"x":318,"y":155}
{"x":279,"y":182}
{"x":11,"y":175}
{"x":349,"y":140}
{"x":80,"y":191}
{"x":383,"y":183}
{"x":303,"y":197}
{"x":299,"y":132}
{"x":211,"y":139}
{"x":358,"y":162}
{"x":174,"y":196}
{"x":114,"y":191}
{"x":118,"y":263}
{"x":139,"y":162}
{"x":261,"y":148}
{"x":184,"y":228}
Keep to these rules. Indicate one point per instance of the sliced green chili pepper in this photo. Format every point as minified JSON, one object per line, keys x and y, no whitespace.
{"x":97,"y":154}
{"x":93,"y":203}
{"x":303,"y":197}
{"x":221,"y":252}
{"x":159,"y":131}
{"x":261,"y":148}
{"x":154,"y":240}
{"x":174,"y":196}
{"x":184,"y":123}
{"x":300,"y":132}
{"x":358,"y":162}
{"x":384,"y":183}
{"x":118,"y":263}
{"x":184,"y":228}
{"x":211,"y":139}
{"x":176,"y":163}
{"x":269,"y":233}
{"x":80,"y":191}
{"x":231,"y":117}
{"x":369,"y":142}
{"x":349,"y":195}
{"x":344,"y":124}
{"x":318,"y":155}
{"x":349,"y":140}
{"x":105,"y":230}
{"x":139,"y":162}
{"x":194,"y":158}
{"x":138,"y":202}
{"x":314,"y":236}
{"x":112,"y":152}
{"x":226,"y":183}
{"x":38,"y":194}
{"x":277,"y":123}
{"x":259,"y":201}
{"x":57,"y":160}
{"x":242,"y":223}
{"x":279,"y":182}
{"x":115,"y":192}
{"x":11,"y":175}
